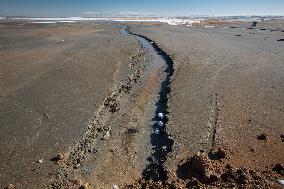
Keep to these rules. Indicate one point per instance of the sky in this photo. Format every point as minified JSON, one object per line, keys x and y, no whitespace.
{"x":91,"y":8}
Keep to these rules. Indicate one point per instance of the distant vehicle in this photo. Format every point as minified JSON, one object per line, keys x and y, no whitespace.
{"x":253,"y":26}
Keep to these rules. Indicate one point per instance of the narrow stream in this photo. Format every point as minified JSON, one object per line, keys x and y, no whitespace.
{"x":161,"y":141}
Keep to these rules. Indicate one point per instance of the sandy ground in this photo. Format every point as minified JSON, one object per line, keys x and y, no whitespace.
{"x":78,"y":102}
{"x":229,"y":80}
{"x":53,"y":79}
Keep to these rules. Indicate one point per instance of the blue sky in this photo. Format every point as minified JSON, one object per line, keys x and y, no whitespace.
{"x":143,"y":7}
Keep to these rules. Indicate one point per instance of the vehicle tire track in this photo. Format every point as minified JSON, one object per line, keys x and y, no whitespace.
{"x":214,"y":112}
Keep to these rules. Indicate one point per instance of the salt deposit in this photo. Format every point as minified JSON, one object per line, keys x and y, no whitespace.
{"x":43,"y":22}
{"x":170,"y":21}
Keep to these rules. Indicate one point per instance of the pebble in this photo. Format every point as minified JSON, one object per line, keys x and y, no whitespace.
{"x":114,"y":187}
{"x":46,"y":116}
{"x":262,"y":136}
{"x":84,"y":186}
{"x":10,"y":186}
{"x":40,"y":161}
{"x":107,"y":135}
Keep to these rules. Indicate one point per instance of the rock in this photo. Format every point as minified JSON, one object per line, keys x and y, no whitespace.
{"x":262,"y":136}
{"x":214,"y":177}
{"x":60,"y":158}
{"x":114,"y":107}
{"x":84,"y":186}
{"x":10,"y":186}
{"x":279,"y":168}
{"x":90,"y":126}
{"x":229,"y":174}
{"x":112,"y":104}
{"x":40,"y":161}
{"x":282,"y":137}
{"x":241,"y":176}
{"x":252,"y":149}
{"x":46,"y":116}
{"x":217,"y":154}
{"x":107,"y":135}
{"x":114,"y":187}
{"x":132,"y":131}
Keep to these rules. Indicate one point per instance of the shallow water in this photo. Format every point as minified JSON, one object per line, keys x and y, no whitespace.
{"x":161,"y":141}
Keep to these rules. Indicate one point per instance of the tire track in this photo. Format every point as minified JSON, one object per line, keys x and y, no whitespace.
{"x":215,"y":108}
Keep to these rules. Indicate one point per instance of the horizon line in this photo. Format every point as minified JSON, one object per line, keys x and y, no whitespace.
{"x":134,"y":15}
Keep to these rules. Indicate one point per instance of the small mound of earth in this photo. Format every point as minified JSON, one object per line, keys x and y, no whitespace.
{"x":199,"y":167}
{"x":200,"y":171}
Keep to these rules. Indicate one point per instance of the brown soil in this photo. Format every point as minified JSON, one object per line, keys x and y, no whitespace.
{"x":78,"y":103}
